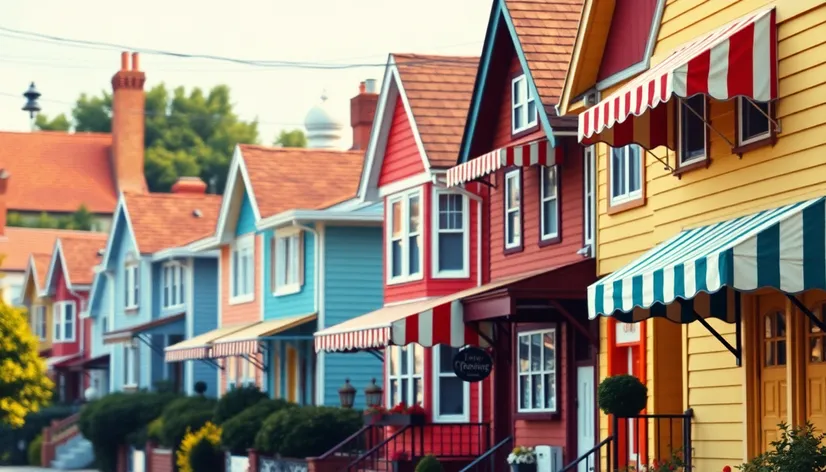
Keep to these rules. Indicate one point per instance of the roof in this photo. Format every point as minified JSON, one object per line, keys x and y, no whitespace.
{"x":41,"y":267}
{"x":286,"y":178}
{"x":58,"y":172}
{"x":438,"y":89}
{"x":81,"y":254}
{"x":18,"y":243}
{"x":164,"y":220}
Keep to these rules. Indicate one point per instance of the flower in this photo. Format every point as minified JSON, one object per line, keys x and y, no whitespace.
{"x":522,"y":455}
{"x":727,"y":469}
{"x":401,"y":408}
{"x":416,"y":409}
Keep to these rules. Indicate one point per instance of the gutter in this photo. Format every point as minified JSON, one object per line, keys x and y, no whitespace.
{"x":295,"y":216}
{"x":478,"y":201}
{"x":185,"y":251}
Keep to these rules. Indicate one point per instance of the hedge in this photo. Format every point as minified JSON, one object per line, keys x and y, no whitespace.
{"x":308,"y":431}
{"x":235,"y":401}
{"x":34,"y":450}
{"x":10,"y":438}
{"x":183,"y":413}
{"x":238,"y":433}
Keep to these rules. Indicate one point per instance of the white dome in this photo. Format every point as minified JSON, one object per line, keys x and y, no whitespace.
{"x":323,"y":128}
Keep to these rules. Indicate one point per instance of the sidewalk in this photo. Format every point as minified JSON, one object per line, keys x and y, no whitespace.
{"x":13,"y":468}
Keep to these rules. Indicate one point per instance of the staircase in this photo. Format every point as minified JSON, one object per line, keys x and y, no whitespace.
{"x":75,"y":453}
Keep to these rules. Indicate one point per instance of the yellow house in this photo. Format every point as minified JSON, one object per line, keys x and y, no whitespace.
{"x":39,"y":307}
{"x":706,"y":121}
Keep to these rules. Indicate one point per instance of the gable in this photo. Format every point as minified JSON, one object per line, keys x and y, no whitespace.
{"x":401,"y":155}
{"x":246,"y":217}
{"x":238,"y":194}
{"x":627,"y":42}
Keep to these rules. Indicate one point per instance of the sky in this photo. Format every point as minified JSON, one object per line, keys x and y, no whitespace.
{"x":328,"y":31}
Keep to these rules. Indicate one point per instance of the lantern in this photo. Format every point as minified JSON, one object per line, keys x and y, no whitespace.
{"x":373,"y":395}
{"x":347,"y":394}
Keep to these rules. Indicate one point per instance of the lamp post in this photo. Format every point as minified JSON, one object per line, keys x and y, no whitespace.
{"x":32,"y":106}
{"x":347,"y":394}
{"x":373,"y":395}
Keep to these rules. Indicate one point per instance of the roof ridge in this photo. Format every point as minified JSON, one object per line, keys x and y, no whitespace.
{"x":275,"y":149}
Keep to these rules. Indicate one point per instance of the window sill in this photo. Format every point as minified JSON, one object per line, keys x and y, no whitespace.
{"x":174,"y":307}
{"x":287,"y":290}
{"x":450,"y":419}
{"x":130,"y":388}
{"x":530,"y":128}
{"x":451,"y":274}
{"x":770,"y":140}
{"x":404,"y":279}
{"x":514,"y":249}
{"x":131,"y":310}
{"x":626,"y":205}
{"x":537,"y":416}
{"x":550,"y":241}
{"x":240,"y":299}
{"x":697,"y":164}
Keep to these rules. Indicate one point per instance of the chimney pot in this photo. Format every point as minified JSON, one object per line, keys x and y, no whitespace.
{"x":135,"y":62}
{"x":362,"y":111}
{"x":124,"y":60}
{"x":190,"y":185}
{"x":370,"y":85}
{"x":362,"y":88}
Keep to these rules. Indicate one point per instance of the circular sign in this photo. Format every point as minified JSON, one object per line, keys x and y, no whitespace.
{"x":472,"y":364}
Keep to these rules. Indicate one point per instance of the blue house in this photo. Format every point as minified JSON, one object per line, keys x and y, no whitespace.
{"x":298,"y":253}
{"x":149,"y":292}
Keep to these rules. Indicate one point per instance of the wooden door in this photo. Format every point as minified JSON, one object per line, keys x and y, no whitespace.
{"x":292,"y":374}
{"x":773,"y":386}
{"x":815,"y":387}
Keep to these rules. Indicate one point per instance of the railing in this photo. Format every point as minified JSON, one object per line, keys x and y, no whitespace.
{"x":591,"y":459}
{"x":56,"y":434}
{"x":358,"y":443}
{"x":496,"y":455}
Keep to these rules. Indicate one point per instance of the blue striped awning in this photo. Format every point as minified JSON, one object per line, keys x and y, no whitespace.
{"x":702,"y":268}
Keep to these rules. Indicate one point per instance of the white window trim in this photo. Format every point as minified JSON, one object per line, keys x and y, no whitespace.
{"x":404,"y":198}
{"x":408,"y":358}
{"x":543,"y":199}
{"x":131,"y":358}
{"x":704,"y":155}
{"x":529,"y":122}
{"x":437,"y":375}
{"x":513,"y":175}
{"x":630,"y":196}
{"x":741,"y":105}
{"x":291,"y":288}
{"x":464,"y":272}
{"x":39,"y":321}
{"x":176,"y":270}
{"x":589,"y":217}
{"x":131,"y":278}
{"x":246,"y":241}
{"x":248,"y":373}
{"x":542,"y":372}
{"x":57,"y":335}
{"x":59,"y":322}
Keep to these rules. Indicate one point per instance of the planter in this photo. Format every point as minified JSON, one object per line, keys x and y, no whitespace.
{"x":523,"y":467}
{"x":374,"y":418}
{"x":401,"y":419}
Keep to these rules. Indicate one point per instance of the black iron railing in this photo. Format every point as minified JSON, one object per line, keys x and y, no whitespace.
{"x":357,"y":444}
{"x":489,"y":461}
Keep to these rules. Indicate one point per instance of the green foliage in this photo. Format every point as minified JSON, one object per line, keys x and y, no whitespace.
{"x":154,"y":430}
{"x":204,"y":455}
{"x":291,"y":139}
{"x":82,"y":219}
{"x":429,"y":464}
{"x":307,"y":431}
{"x":58,"y":123}
{"x":673,"y":463}
{"x":798,"y":449}
{"x":11,"y":438}
{"x":622,"y":396}
{"x":238,"y":433}
{"x":34,"y":450}
{"x":183,"y":413}
{"x":235,"y":401}
{"x":164,"y":386}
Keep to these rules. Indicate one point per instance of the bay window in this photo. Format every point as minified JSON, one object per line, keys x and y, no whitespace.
{"x":451,"y":395}
{"x":451,"y":236}
{"x":242,"y":270}
{"x":537,"y":369}
{"x":405,"y":367}
{"x":173,"y":285}
{"x":404,"y":227}
{"x":288,"y":262}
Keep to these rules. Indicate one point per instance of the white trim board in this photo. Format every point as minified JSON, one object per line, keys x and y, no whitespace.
{"x":229,"y":203}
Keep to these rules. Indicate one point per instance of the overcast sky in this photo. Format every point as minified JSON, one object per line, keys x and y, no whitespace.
{"x":343,"y":31}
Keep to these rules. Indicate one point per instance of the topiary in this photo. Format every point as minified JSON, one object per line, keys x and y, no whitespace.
{"x":238,"y":433}
{"x":200,"y":387}
{"x":200,"y":449}
{"x":429,"y":464}
{"x":34,"y":451}
{"x":622,"y":396}
{"x":307,"y":431}
{"x":237,"y":400}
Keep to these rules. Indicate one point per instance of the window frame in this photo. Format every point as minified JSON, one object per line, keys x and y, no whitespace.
{"x":516,"y":175}
{"x":131,"y":360}
{"x":767,"y":139}
{"x":589,"y":211}
{"x":534,"y":412}
{"x":529,"y":123}
{"x":629,"y":199}
{"x":172,"y":281}
{"x":697,"y":161}
{"x":132,"y":282}
{"x":59,"y":322}
{"x":437,"y":272}
{"x":547,"y":239}
{"x":436,"y":387}
{"x":39,"y":321}
{"x":404,"y":198}
{"x":408,"y":356}
{"x":237,"y":248}
{"x":296,"y":256}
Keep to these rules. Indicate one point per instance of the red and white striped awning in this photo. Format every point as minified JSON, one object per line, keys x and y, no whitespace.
{"x":529,"y":154}
{"x":199,"y":346}
{"x":736,"y":60}
{"x":248,"y":340}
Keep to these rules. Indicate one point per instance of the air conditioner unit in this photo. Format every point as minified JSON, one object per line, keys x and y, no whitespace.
{"x":548,"y":458}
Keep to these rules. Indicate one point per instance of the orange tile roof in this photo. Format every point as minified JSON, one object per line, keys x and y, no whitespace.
{"x":166,"y":220}
{"x":309,"y":179}
{"x":41,"y":268}
{"x":82,"y":254}
{"x":18,"y":243}
{"x":439,"y":89}
{"x":547,"y":32}
{"x":58,"y":172}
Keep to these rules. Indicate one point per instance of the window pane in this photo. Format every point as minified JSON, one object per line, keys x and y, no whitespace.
{"x":549,"y":352}
{"x":396,"y":218}
{"x":550,"y":391}
{"x":451,"y":251}
{"x":618,"y":172}
{"x":548,"y":182}
{"x":413,"y":245}
{"x":524,"y":354}
{"x":518,"y":120}
{"x":550,"y":218}
{"x":451,"y":396}
{"x":450,"y":212}
{"x":396,"y":258}
{"x":405,"y":395}
{"x":446,"y":355}
{"x":415,"y":220}
{"x":692,"y":132}
{"x":395,"y":392}
{"x":418,"y":392}
{"x":418,"y":359}
{"x":536,"y":352}
{"x":394,"y":356}
{"x":531,"y":111}
{"x":236,"y":273}
{"x":634,"y":169}
{"x":524,"y":392}
{"x":513,"y":191}
{"x":514,"y":228}
{"x":518,"y":91}
{"x":536,"y":392}
{"x":753,"y":120}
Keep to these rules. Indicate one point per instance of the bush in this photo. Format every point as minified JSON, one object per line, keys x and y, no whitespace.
{"x":200,"y":450}
{"x":237,"y":400}
{"x":34,"y":451}
{"x":154,"y":430}
{"x":175,"y":427}
{"x":622,"y":396}
{"x":238,"y":433}
{"x":307,"y":431}
{"x":429,"y":464}
{"x":798,"y":448}
{"x":10,"y":438}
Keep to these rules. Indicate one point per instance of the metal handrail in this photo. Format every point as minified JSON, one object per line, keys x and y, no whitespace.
{"x":364,"y":429}
{"x":378,"y":447}
{"x":591,"y":451}
{"x":488,"y":454}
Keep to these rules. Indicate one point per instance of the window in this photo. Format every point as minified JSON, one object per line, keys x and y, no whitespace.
{"x":288,"y":262}
{"x":692,"y":130}
{"x":589,"y":197}
{"x":451,"y":395}
{"x":451,"y":239}
{"x":404,"y":238}
{"x":173,"y":285}
{"x":64,"y":322}
{"x":39,"y":321}
{"x":753,"y":123}
{"x":242,"y":270}
{"x":247,"y":372}
{"x":523,"y":105}
{"x":549,"y":204}
{"x":232,"y":369}
{"x":537,"y":371}
{"x":404,"y":375}
{"x":131,"y":359}
{"x":513,"y":209}
{"x":131,"y":285}
{"x":626,"y":174}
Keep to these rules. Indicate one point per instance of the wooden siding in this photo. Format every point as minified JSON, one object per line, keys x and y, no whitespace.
{"x":401,"y":158}
{"x":204,"y":312}
{"x":628,"y":36}
{"x":62,"y":293}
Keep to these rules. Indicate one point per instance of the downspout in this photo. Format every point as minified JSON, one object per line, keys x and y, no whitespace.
{"x":478,"y":200}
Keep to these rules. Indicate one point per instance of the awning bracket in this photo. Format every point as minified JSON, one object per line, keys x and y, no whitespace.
{"x":664,"y":161}
{"x":149,"y":344}
{"x":252,"y":359}
{"x":706,"y":122}
{"x":777,"y":128}
{"x":486,"y":182}
{"x":806,"y":311}
{"x":736,"y":350}
{"x":577,"y":325}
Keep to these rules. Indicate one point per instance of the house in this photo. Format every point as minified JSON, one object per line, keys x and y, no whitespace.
{"x":148,"y":294}
{"x":709,"y":212}
{"x":44,"y":181}
{"x":67,"y":284}
{"x":35,"y":301}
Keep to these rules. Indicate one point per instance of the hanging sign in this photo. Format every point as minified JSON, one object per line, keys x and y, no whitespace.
{"x":627,"y":333}
{"x":472,"y":364}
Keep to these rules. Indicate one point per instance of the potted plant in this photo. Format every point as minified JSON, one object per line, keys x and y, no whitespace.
{"x":623,"y":396}
{"x":522,"y":459}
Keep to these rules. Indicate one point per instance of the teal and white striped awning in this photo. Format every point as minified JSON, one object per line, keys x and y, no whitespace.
{"x":783,"y":248}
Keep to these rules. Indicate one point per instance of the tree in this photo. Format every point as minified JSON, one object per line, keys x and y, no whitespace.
{"x":82,"y":219}
{"x":291,"y":139}
{"x":58,"y":123}
{"x":187,"y":134}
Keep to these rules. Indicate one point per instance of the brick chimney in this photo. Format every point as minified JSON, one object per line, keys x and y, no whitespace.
{"x":4,"y":186}
{"x":362,"y":111}
{"x":128,"y":124}
{"x":189,"y":185}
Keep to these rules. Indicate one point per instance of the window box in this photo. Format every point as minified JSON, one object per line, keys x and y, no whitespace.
{"x":395,"y":419}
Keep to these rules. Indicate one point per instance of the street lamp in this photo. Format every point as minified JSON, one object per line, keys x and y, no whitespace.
{"x":347,"y":394}
{"x":373,"y":395}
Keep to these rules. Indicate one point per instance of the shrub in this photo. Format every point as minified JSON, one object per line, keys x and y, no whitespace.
{"x":154,"y":430}
{"x":622,"y":395}
{"x":237,"y":400}
{"x":200,"y":387}
{"x":308,"y":431}
{"x":175,"y":427}
{"x":238,"y":433}
{"x":200,"y":449}
{"x":10,"y":438}
{"x":429,"y":464}
{"x":799,"y":448}
{"x":34,"y":451}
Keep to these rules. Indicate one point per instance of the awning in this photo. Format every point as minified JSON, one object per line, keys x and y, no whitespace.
{"x":736,"y":60}
{"x":93,"y":363}
{"x":247,"y":340}
{"x":198,"y":347}
{"x":57,"y":362}
{"x":524,"y":155}
{"x":125,"y":335}
{"x":783,"y":248}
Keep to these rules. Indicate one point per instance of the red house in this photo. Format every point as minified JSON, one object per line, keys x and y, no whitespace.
{"x":68,"y":282}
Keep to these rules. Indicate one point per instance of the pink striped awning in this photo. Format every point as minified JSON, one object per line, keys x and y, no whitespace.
{"x":248,"y":340}
{"x":528,"y":154}
{"x":199,"y":346}
{"x":736,"y":60}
